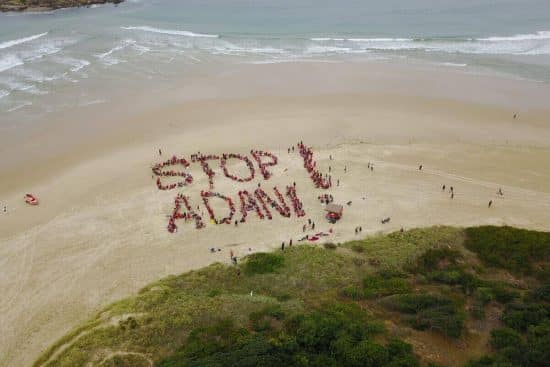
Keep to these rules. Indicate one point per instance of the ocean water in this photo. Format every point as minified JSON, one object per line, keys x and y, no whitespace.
{"x":77,"y":57}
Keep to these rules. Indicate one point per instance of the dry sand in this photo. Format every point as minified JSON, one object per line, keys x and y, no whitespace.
{"x":100,"y":234}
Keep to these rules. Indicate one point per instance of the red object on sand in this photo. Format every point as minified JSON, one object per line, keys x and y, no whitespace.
{"x":334,"y":212}
{"x":31,"y":199}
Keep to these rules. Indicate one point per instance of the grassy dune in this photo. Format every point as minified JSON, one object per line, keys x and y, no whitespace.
{"x":439,"y":296}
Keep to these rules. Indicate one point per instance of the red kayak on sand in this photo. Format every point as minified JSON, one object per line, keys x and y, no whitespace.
{"x":31,"y":199}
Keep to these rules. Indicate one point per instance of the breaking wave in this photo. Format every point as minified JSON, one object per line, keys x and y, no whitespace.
{"x":19,"y":41}
{"x":171,"y":32}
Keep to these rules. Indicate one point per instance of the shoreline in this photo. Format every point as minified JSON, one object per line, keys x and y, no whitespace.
{"x":23,"y":8}
{"x":100,"y":234}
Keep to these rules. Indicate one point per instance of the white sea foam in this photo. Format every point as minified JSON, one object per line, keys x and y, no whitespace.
{"x":22,"y":86}
{"x":327,"y":49}
{"x":522,"y":44}
{"x":43,"y":50}
{"x":454,"y":64}
{"x":141,"y":49}
{"x":172,"y":32}
{"x":107,"y":57}
{"x":93,"y":102}
{"x":326,"y":39}
{"x":541,"y":35}
{"x":4,"y":93}
{"x":33,"y":75}
{"x":20,"y":105}
{"x":9,"y":61}
{"x":75,"y":65}
{"x":379,"y":39}
{"x":19,"y":41}
{"x":232,"y":49}
{"x":79,"y":64}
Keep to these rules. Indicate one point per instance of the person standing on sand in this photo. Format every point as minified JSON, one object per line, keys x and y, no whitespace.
{"x":160,"y":152}
{"x":290,"y":243}
{"x":283,"y":246}
{"x":5,"y":209}
{"x":420,"y":168}
{"x":490,"y":203}
{"x":452,"y":195}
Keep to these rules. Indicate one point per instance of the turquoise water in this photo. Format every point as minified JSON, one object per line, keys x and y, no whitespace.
{"x":68,"y":51}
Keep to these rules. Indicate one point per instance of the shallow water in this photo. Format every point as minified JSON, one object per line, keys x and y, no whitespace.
{"x":80,"y":57}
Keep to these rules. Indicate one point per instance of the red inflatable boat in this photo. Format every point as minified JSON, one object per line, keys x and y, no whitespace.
{"x":31,"y":199}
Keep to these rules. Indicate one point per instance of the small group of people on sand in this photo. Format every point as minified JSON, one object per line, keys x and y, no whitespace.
{"x":325,"y":198}
{"x":310,"y":225}
{"x":283,"y":244}
{"x":451,"y":190}
{"x":358,"y":230}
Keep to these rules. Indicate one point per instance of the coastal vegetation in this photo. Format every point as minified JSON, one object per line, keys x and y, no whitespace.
{"x":41,"y":5}
{"x":438,"y":296}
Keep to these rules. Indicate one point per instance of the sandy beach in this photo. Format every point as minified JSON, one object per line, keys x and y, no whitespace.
{"x":99,"y":233}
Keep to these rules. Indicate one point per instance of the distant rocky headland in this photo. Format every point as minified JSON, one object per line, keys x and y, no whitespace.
{"x":44,"y":5}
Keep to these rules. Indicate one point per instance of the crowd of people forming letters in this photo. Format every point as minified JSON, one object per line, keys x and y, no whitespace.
{"x":257,"y":201}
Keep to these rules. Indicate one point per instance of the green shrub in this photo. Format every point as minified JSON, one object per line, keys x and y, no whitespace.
{"x":504,"y":338}
{"x":261,"y":320}
{"x":338,"y":335}
{"x":379,"y":286}
{"x":437,"y":258}
{"x":520,"y":316}
{"x":128,"y":360}
{"x":330,"y":246}
{"x":429,"y":312}
{"x":538,"y":341}
{"x":501,"y":294}
{"x":489,"y":361}
{"x":541,"y":294}
{"x":509,"y":248}
{"x":262,"y":263}
{"x":214,"y":293}
{"x":353,"y":292}
{"x":357,"y":248}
